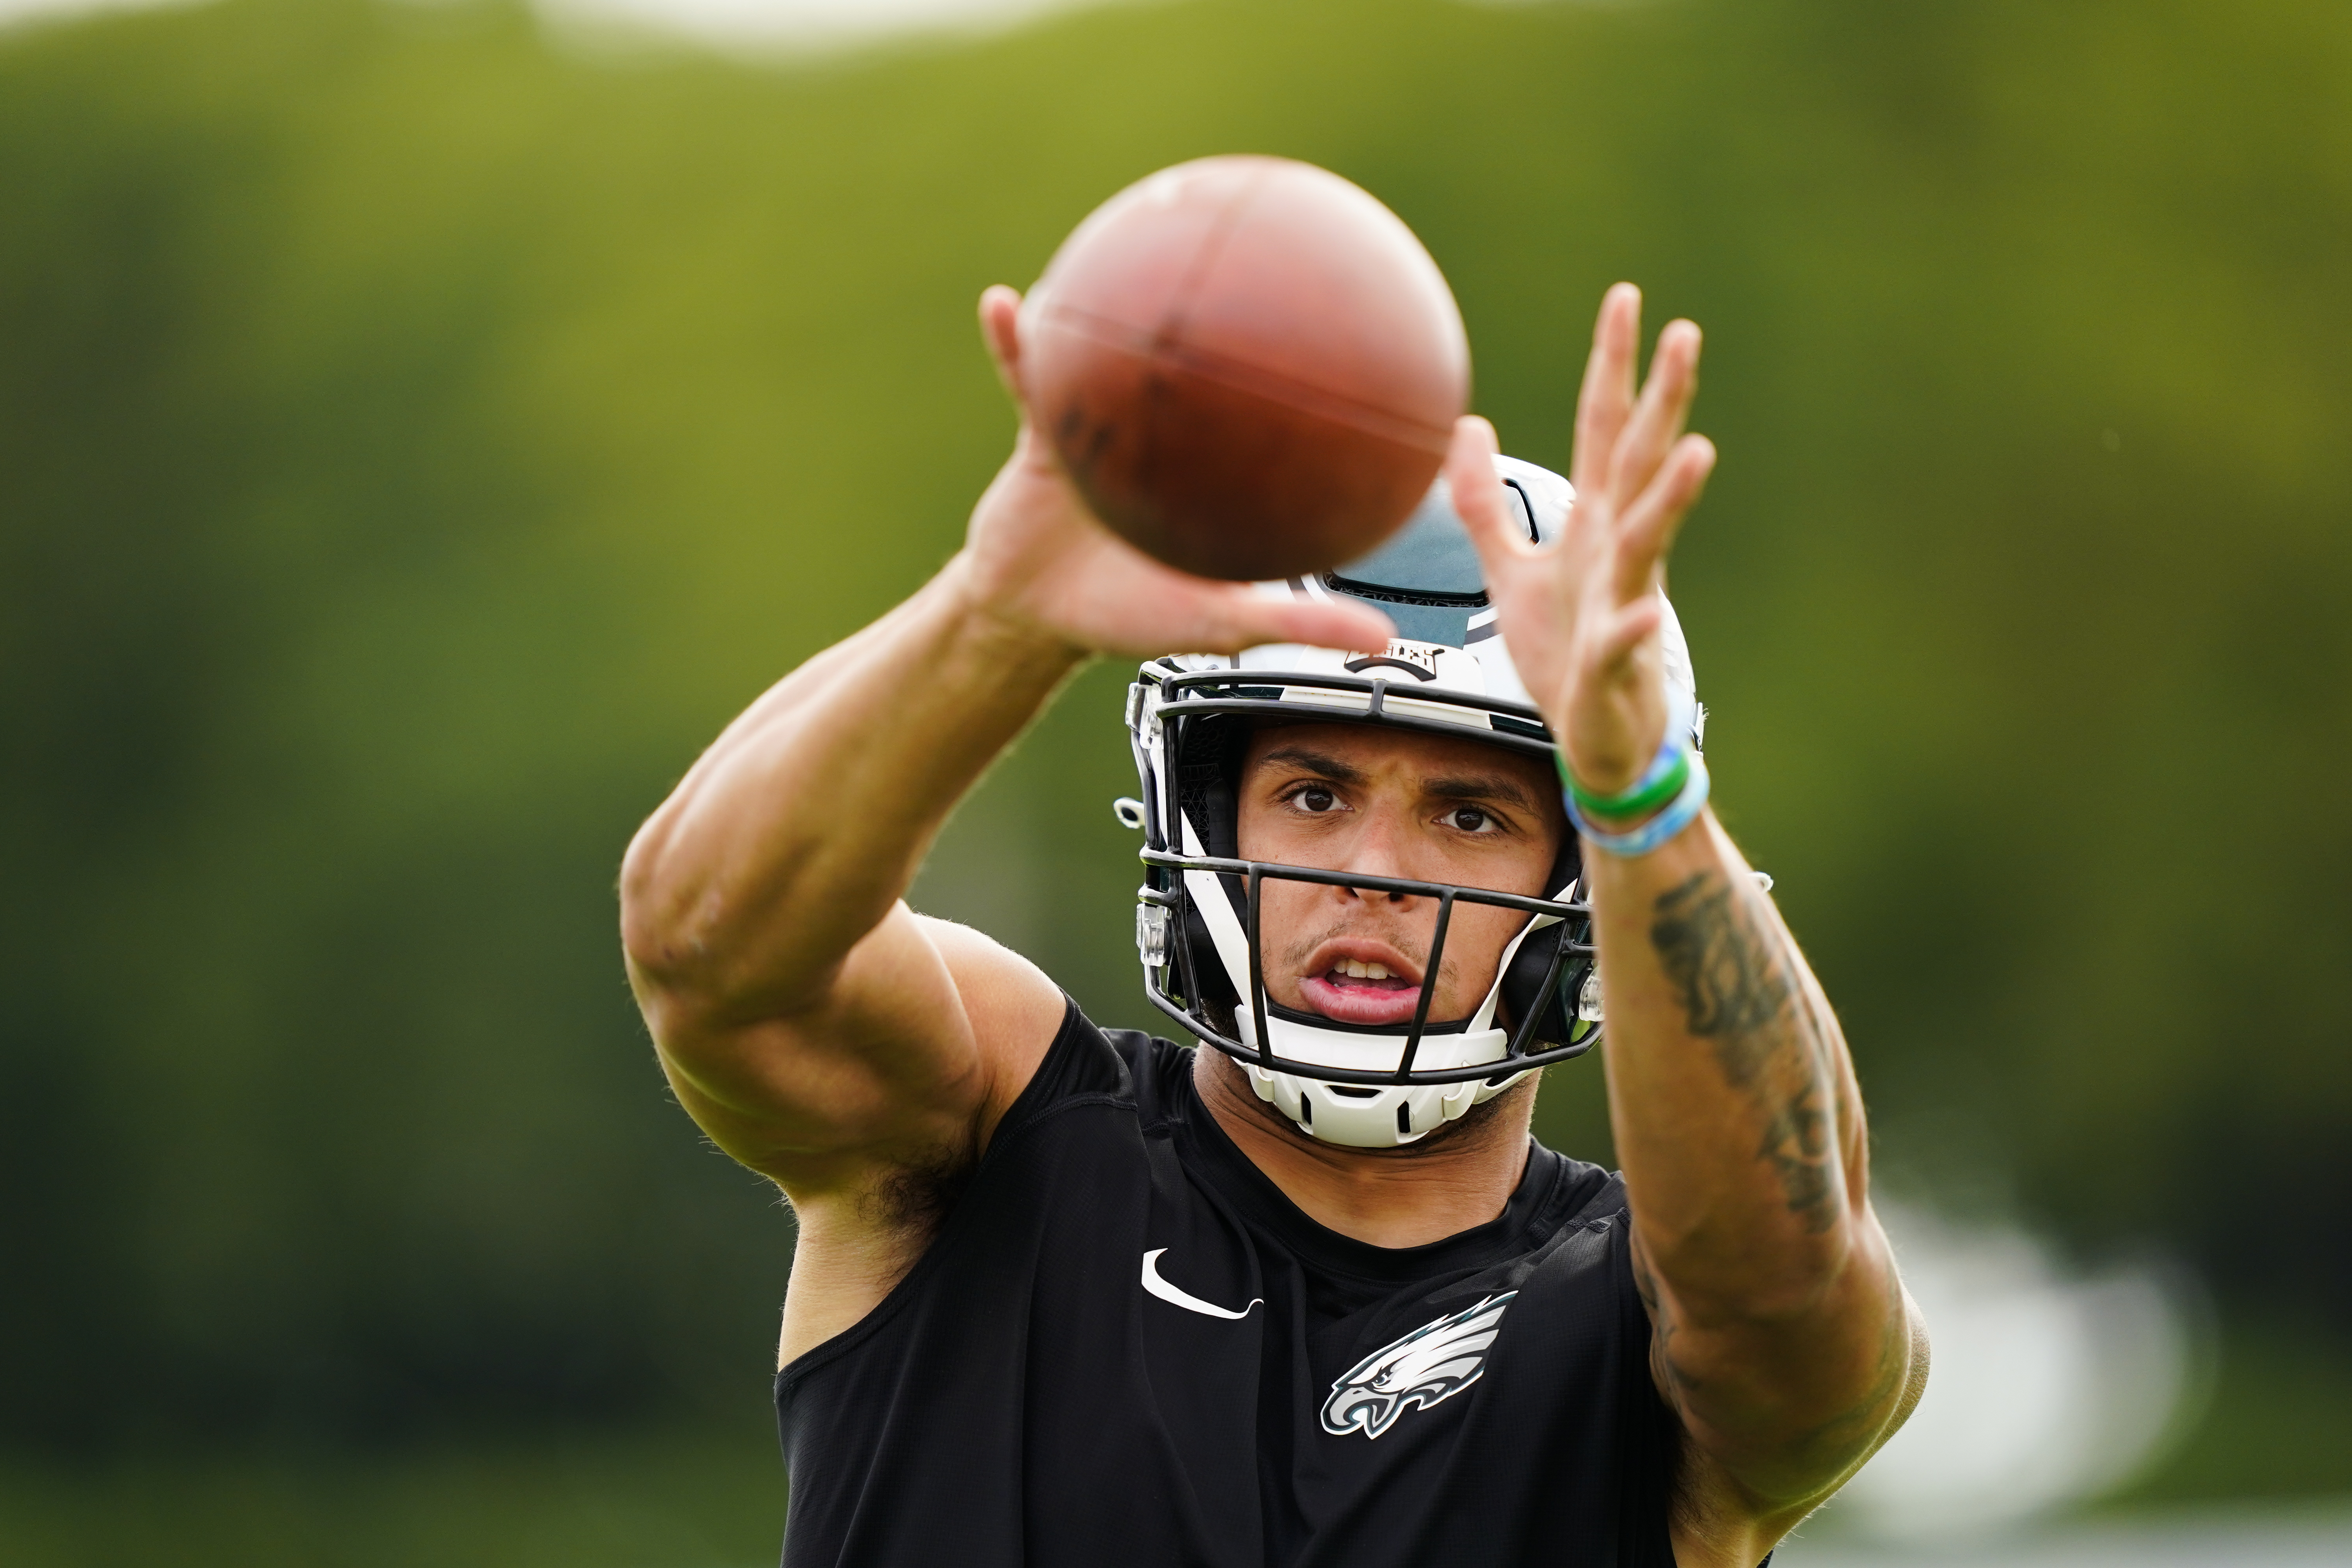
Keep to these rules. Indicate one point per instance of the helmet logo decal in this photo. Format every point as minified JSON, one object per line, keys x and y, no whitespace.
{"x":1418,"y":659}
{"x":1428,"y":1366}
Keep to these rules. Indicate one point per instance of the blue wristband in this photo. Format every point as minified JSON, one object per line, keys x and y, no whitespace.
{"x":1659,"y":828}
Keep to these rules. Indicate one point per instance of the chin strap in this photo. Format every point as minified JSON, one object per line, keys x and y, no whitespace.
{"x":1365,"y":1116}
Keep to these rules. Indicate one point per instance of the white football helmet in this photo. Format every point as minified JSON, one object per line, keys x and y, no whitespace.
{"x":1187,"y":719}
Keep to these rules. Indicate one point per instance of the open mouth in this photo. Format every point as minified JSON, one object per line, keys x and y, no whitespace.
{"x":1361,"y":991}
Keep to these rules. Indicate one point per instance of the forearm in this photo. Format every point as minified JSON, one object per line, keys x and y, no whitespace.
{"x":797,"y":831}
{"x":1740,"y":1125}
{"x":1728,"y":1079}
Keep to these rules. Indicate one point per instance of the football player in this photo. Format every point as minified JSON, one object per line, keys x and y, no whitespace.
{"x":1309,"y":1292}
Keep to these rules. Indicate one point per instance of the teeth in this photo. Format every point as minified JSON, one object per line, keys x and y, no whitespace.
{"x":1356,"y":969}
{"x":1375,"y":971}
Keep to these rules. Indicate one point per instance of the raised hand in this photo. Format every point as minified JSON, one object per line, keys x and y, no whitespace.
{"x":1037,"y":557}
{"x":1581,"y":616}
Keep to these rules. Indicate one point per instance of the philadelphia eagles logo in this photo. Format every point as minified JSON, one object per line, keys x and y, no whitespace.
{"x":1428,"y":1366}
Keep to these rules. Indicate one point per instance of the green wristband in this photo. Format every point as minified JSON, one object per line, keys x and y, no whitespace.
{"x":1642,"y":797}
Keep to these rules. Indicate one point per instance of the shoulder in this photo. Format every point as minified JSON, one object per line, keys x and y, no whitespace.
{"x":1161,"y":1074}
{"x":1145,"y":1077}
{"x":1014,"y":1010}
{"x":1582,"y":1194}
{"x":1037,"y":1048}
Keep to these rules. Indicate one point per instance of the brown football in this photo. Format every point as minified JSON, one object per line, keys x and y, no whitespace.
{"x":1248,"y":365}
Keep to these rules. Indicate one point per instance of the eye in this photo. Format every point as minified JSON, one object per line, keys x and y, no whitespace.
{"x":1471,"y":820}
{"x":1316,"y":798}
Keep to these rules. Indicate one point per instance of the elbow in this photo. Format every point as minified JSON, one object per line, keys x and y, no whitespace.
{"x":698,"y":954}
{"x":1793,"y":1394}
{"x":666,"y":958}
{"x":655,"y":938}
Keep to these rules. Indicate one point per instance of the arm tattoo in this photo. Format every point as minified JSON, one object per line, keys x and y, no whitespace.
{"x":1797,"y":1145}
{"x":1733,"y":986}
{"x":1739,"y":992}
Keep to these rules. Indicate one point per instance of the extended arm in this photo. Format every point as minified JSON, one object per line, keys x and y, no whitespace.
{"x":817,"y":1029}
{"x":1781,"y":1332}
{"x":801,"y":1011}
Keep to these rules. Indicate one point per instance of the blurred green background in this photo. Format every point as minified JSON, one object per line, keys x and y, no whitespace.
{"x":417,"y":439}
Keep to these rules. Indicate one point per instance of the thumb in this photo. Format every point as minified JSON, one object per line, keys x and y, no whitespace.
{"x":1238,"y":617}
{"x":1000,"y":329}
{"x":1478,"y":495}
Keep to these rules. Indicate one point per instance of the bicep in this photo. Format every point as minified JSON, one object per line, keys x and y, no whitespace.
{"x":905,"y":1051}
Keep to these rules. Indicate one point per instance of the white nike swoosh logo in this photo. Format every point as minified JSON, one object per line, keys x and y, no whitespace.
{"x":1175,"y":1298}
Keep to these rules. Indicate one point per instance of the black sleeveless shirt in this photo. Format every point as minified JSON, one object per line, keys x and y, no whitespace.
{"x":1125,"y":1346}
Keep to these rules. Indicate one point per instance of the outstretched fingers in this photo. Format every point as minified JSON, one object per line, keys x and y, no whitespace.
{"x":1606,"y":398}
{"x":1647,"y":529}
{"x":1478,"y":499}
{"x":1659,"y":415}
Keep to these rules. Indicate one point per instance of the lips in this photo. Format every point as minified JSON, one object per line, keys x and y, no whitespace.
{"x":1358,"y":988}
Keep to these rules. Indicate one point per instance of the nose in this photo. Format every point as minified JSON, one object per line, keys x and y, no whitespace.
{"x":1378,"y":851}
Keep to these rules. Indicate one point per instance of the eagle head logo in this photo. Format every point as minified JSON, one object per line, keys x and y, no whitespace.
{"x":1431,"y":1364}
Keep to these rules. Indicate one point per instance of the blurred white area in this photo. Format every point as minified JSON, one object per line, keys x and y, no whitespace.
{"x":2047,"y":1388}
{"x":786,"y":25}
{"x":731,"y":24}
{"x":15,"y":11}
{"x":735,"y":25}
{"x":2308,"y":1539}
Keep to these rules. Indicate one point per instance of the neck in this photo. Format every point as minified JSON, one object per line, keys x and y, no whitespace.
{"x":1458,"y":1177}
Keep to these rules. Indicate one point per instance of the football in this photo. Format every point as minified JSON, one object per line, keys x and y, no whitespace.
{"x":1249,"y":367}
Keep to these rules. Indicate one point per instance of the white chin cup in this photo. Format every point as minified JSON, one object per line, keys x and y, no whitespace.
{"x":1360,"y":1116}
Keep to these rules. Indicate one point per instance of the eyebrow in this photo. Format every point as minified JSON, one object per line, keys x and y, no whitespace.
{"x":1321,"y":763}
{"x":1450,"y":786}
{"x":1480,"y":786}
